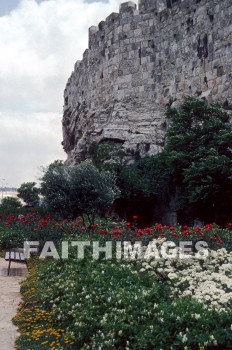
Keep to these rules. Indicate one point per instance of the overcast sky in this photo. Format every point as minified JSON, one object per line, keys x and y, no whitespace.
{"x":40,"y":41}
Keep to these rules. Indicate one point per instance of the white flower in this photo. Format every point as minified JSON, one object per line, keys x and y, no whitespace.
{"x":184,"y":339}
{"x":197,"y":316}
{"x":209,"y":281}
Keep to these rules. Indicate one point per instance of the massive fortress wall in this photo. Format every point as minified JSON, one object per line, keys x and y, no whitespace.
{"x":138,"y":63}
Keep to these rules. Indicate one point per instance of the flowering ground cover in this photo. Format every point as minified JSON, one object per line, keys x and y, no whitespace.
{"x":108,"y":304}
{"x":89,"y":304}
{"x":208,"y":280}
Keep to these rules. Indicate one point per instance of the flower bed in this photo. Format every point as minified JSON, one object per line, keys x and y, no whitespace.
{"x":32,"y":226}
{"x":109,"y":304}
{"x":90,"y":304}
{"x":206,"y":279}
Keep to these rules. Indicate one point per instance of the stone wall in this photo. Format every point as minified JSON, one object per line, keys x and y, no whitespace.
{"x":138,"y":63}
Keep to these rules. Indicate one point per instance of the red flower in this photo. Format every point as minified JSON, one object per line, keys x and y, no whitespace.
{"x":148,"y":230}
{"x":102,"y":232}
{"x":134,"y":217}
{"x":185,"y":233}
{"x":94,"y":226}
{"x":159,"y":227}
{"x":174,"y":234}
{"x":208,"y":227}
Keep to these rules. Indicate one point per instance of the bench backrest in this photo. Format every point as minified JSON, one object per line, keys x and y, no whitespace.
{"x":16,"y":254}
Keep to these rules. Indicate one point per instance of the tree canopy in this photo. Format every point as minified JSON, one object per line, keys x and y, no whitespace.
{"x":29,"y":193}
{"x":78,"y":190}
{"x":199,"y":151}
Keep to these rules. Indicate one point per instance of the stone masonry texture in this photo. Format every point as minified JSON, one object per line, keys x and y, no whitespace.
{"x":139,"y":62}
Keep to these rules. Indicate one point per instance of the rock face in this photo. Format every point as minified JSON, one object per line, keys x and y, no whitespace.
{"x":138,"y":63}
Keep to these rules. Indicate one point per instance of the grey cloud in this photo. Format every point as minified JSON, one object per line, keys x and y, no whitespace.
{"x":26,"y":142}
{"x":39,"y":44}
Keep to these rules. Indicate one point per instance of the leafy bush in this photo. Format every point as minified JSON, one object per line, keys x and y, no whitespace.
{"x":10,"y":238}
{"x":92,"y":191}
{"x":14,"y":230}
{"x":10,"y":203}
{"x":78,"y":190}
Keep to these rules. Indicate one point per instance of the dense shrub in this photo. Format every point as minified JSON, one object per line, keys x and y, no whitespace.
{"x":15,"y":230}
{"x":10,"y":203}
{"x":78,"y":190}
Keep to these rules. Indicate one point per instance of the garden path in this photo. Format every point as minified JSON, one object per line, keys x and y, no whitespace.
{"x":9,"y":299}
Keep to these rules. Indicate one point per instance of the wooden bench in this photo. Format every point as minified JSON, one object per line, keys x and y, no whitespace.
{"x":15,"y":255}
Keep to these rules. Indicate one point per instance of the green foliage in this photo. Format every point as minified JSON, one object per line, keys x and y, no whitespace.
{"x":195,"y":164}
{"x":29,"y":193}
{"x":107,"y":155}
{"x":110,"y":305}
{"x":199,"y":150}
{"x":145,"y":182}
{"x":92,"y":190}
{"x":11,"y":238}
{"x":78,"y":190}
{"x":31,"y":226}
{"x":55,"y":188}
{"x":131,"y":182}
{"x":10,"y":203}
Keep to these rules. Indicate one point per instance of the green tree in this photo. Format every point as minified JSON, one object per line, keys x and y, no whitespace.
{"x":55,"y":188}
{"x":78,"y":190}
{"x":29,"y":193}
{"x":199,"y":152}
{"x":92,"y":190}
